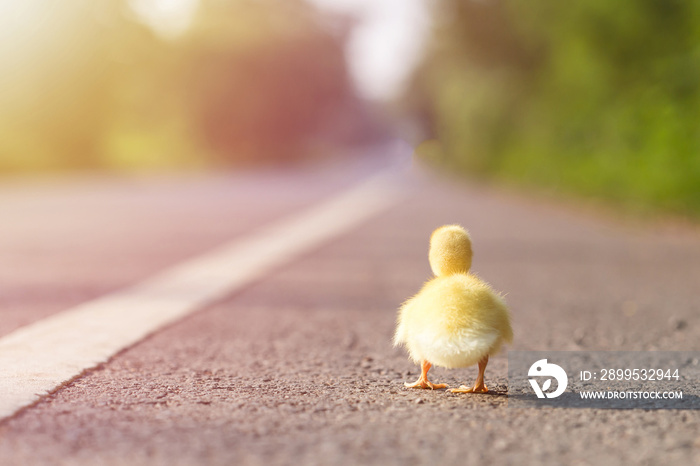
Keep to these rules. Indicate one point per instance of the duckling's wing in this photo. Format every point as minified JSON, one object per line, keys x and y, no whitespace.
{"x":401,"y":333}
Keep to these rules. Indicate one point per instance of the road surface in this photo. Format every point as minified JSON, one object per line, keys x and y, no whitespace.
{"x":296,"y":366}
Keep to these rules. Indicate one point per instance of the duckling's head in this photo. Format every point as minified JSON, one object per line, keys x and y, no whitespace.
{"x":450,"y":250}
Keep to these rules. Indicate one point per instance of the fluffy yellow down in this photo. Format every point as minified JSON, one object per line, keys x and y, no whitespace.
{"x":456,"y":319}
{"x":450,"y":250}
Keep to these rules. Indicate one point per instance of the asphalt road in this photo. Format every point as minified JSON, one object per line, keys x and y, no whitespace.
{"x":298,"y":368}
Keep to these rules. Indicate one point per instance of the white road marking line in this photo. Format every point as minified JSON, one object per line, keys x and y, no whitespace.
{"x":39,"y":358}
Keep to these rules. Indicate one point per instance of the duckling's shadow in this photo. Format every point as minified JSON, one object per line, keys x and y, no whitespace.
{"x":490,"y":393}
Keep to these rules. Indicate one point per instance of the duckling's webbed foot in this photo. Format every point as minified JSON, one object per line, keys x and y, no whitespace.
{"x":479,"y":386}
{"x":422,"y":381}
{"x":475,"y":389}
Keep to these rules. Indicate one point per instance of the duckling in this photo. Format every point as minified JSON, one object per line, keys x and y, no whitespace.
{"x":456,"y":320}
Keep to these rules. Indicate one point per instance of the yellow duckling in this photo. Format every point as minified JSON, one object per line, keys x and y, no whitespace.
{"x":456,"y":320}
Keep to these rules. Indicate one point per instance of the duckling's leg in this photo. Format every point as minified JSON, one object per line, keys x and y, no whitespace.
{"x":422,"y":381}
{"x":479,"y":386}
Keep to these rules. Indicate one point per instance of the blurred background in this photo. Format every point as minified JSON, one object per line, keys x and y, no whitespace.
{"x":591,"y":97}
{"x":594,"y":98}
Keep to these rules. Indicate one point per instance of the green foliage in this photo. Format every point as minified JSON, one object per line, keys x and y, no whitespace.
{"x":596,"y":97}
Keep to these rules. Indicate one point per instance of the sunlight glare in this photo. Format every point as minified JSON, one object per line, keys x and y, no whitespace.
{"x":168,"y":18}
{"x":20,"y":25}
{"x":386,"y":44}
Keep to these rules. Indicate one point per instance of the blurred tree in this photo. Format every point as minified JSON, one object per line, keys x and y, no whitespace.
{"x":87,"y":84}
{"x":60,"y":86}
{"x":274,"y":93}
{"x":596,"y":97}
